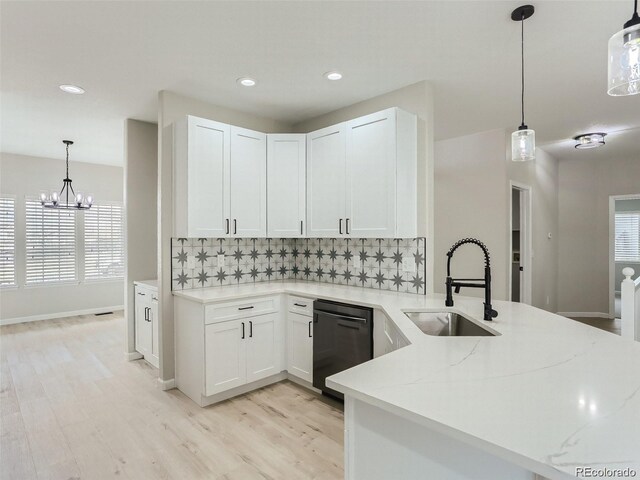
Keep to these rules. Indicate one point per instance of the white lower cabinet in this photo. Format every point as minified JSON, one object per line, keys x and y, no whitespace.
{"x":146,"y":323}
{"x":225,"y":356}
{"x":263,"y":358}
{"x":223,"y":347}
{"x":300,"y":338}
{"x":300,"y":343}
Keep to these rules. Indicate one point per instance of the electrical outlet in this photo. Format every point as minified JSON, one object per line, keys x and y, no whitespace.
{"x":191,"y":262}
{"x":408,"y":265}
{"x":220,"y":261}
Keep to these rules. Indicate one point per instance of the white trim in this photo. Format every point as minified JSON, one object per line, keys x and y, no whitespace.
{"x":587,"y":315}
{"x":51,"y":316}
{"x":612,"y":249}
{"x":131,"y":356}
{"x":526,"y":255}
{"x":166,"y":384}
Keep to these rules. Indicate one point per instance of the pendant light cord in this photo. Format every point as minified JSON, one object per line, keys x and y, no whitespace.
{"x":522,"y":63}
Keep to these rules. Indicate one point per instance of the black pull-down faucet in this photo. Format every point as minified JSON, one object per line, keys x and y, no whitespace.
{"x":485,"y":283}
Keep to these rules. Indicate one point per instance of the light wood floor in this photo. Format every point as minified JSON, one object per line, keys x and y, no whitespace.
{"x":72,"y":407}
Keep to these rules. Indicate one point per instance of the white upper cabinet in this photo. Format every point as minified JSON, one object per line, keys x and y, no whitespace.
{"x":219,"y":184}
{"x":200,"y":178}
{"x":362,"y":177}
{"x":286,"y":178}
{"x":370,"y":175}
{"x":326,"y":182}
{"x":354,"y":179}
{"x":248,"y":191}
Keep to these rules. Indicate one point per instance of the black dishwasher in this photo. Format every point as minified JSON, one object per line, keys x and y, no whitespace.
{"x":342,"y":338}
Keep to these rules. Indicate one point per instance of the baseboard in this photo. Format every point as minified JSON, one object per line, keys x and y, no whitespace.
{"x":51,"y":316}
{"x":130,"y":356}
{"x":167,"y":384}
{"x":303,"y":383}
{"x":586,"y":315}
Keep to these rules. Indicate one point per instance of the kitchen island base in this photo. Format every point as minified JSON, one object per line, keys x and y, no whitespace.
{"x":380,"y":445}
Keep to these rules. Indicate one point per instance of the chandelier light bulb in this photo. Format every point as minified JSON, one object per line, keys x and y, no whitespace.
{"x":55,"y":198}
{"x":88,"y":200}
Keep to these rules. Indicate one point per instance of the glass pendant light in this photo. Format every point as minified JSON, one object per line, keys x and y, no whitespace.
{"x":523,"y":140}
{"x":77,"y":201}
{"x":624,"y":58}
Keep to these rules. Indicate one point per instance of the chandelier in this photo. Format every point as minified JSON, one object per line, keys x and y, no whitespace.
{"x":67,"y":198}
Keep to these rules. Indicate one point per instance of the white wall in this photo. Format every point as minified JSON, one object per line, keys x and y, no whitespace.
{"x":24,"y":176}
{"x":172,"y":107}
{"x":585,"y":186}
{"x":141,"y":218}
{"x":472,"y":199}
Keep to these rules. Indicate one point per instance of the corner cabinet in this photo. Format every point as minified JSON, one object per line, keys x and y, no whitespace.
{"x":219,"y":180}
{"x":362,"y":177}
{"x":286,"y":177}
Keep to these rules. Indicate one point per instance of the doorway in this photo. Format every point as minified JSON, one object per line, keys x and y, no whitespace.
{"x":520,"y":264}
{"x":624,"y":244}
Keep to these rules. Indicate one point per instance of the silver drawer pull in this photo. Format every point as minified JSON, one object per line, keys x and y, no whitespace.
{"x":143,"y":294}
{"x":300,"y":305}
{"x":245,"y":308}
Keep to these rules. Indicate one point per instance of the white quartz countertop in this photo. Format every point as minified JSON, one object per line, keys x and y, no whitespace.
{"x":548,"y":394}
{"x":153,"y":284}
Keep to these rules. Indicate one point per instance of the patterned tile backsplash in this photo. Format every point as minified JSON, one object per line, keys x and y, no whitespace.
{"x":365,"y":262}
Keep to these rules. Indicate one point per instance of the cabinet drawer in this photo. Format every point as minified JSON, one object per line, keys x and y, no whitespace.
{"x":239,"y":309}
{"x":301,"y":305}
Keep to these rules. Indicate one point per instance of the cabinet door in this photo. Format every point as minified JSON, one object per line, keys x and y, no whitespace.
{"x":263,"y":349}
{"x":144,"y":331}
{"x":248,"y":183}
{"x":286,"y":177}
{"x":326,"y":182}
{"x":154,"y":358}
{"x":300,"y":346}
{"x":371,"y":175}
{"x":208,"y":183}
{"x":225,"y":356}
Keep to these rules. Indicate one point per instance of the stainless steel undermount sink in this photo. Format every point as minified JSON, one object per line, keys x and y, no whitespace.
{"x":448,"y":324}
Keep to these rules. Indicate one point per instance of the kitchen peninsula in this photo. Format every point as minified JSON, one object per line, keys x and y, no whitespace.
{"x":544,"y":396}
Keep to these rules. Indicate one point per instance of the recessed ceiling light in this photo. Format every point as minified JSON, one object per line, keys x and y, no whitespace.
{"x":74,"y":89}
{"x":246,"y":82}
{"x":590,"y":140}
{"x":333,"y":75}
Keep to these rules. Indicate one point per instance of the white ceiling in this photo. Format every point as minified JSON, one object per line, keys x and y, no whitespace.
{"x":123,"y":53}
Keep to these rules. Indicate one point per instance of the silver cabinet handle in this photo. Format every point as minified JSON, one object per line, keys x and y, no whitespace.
{"x":245,"y":308}
{"x":242,"y":330}
{"x":300,"y":227}
{"x":235,"y":226}
{"x":340,"y":227}
{"x":346,"y":222}
{"x":300,"y":305}
{"x":250,"y":329}
{"x":309,"y":328}
{"x":227,"y":223}
{"x":140,"y":293}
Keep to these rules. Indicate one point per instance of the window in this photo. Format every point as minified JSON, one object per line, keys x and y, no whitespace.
{"x":103,"y":242}
{"x":7,"y":241}
{"x":628,"y":237}
{"x":50,"y":244}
